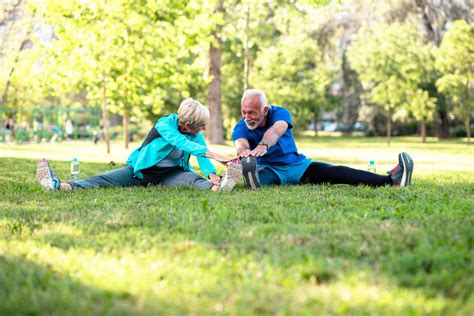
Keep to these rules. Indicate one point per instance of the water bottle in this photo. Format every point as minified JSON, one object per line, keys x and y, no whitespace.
{"x":371,"y":167}
{"x":75,"y":169}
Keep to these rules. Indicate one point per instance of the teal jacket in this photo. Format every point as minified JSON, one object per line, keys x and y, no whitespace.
{"x":159,"y":148}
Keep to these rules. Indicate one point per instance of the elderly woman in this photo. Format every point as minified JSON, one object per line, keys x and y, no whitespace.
{"x":163,"y":158}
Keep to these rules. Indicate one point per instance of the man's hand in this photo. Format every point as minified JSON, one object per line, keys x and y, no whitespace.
{"x":244,"y":153}
{"x":259,"y":151}
{"x":214,"y":178}
{"x":242,"y":147}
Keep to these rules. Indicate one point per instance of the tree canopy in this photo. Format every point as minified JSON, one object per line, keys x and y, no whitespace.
{"x":140,"y":59}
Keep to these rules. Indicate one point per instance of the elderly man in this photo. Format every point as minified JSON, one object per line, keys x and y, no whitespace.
{"x":264,"y":141}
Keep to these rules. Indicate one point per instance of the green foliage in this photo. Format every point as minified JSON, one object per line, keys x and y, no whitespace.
{"x":421,"y":105}
{"x":17,"y":26}
{"x":298,"y":250}
{"x":296,"y":72}
{"x":392,"y":63}
{"x":152,"y":54}
{"x":269,"y":43}
{"x":455,"y":61}
{"x":148,"y":55}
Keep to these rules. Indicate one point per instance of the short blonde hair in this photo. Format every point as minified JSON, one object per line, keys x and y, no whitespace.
{"x":194,"y":112}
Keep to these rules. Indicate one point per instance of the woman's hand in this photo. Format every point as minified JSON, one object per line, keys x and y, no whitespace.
{"x":221,"y":158}
{"x":214,"y":178}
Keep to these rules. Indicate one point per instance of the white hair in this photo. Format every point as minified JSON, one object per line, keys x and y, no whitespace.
{"x":194,"y":112}
{"x":250,"y":93}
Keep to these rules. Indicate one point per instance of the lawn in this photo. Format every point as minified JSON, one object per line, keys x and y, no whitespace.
{"x":278,"y":250}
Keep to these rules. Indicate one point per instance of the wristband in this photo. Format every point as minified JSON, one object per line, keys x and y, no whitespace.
{"x":264,"y":143}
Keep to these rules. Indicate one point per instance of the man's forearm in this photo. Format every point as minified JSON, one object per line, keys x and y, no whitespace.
{"x":241,"y":146}
{"x":272,"y":136}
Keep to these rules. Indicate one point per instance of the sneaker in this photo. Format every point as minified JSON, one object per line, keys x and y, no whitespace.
{"x":249,"y":166}
{"x":401,"y":174}
{"x":46,"y":176}
{"x":231,"y":177}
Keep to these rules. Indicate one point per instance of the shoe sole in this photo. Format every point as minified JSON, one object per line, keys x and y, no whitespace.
{"x":411,"y":166}
{"x":408,"y":165}
{"x":43,"y":174}
{"x":249,"y":166}
{"x":233,"y":174}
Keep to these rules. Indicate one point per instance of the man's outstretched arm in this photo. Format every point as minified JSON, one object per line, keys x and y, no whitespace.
{"x":270,"y":138}
{"x":242,"y":147}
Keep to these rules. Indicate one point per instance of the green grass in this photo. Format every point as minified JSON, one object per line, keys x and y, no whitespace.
{"x":279,"y":250}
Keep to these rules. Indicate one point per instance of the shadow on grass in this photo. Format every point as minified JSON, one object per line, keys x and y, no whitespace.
{"x":253,"y":288}
{"x":27,"y":288}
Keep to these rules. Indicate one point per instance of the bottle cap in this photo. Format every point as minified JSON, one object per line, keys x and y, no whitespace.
{"x":372,"y":162}
{"x":74,"y":159}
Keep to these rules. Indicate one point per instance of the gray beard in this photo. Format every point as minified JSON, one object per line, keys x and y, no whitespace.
{"x":255,"y":126}
{"x":251,"y":127}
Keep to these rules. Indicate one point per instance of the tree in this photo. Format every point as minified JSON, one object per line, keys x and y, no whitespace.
{"x":391,"y":62}
{"x":251,"y":27}
{"x":16,"y":27}
{"x":455,"y":60}
{"x":422,"y":106}
{"x":435,"y":19}
{"x":295,"y":76}
{"x":135,"y":57}
{"x":296,"y":70}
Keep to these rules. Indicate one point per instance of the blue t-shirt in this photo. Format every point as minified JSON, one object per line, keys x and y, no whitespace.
{"x":284,"y":152}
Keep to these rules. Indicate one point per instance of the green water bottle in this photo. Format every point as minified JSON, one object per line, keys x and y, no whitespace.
{"x":371,"y":167}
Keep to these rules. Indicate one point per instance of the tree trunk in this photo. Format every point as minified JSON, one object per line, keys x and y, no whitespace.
{"x":246,"y":49}
{"x":105,"y":115}
{"x":351,"y":91}
{"x":423,"y":130}
{"x":216,"y":127}
{"x":315,"y":123}
{"x":467,"y":123}
{"x":443,"y":124}
{"x":126,"y":127}
{"x":467,"y":113}
{"x":15,"y":62}
{"x":389,"y":127}
{"x":126,"y":121}
{"x":433,"y":33}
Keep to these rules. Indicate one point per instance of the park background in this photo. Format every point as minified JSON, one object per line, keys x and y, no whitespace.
{"x":370,"y":67}
{"x":363,"y":81}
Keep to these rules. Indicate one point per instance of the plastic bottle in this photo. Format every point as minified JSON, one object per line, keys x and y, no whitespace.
{"x":75,"y":170}
{"x":371,"y":167}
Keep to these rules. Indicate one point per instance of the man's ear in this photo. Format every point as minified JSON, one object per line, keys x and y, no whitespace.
{"x":265,"y":110}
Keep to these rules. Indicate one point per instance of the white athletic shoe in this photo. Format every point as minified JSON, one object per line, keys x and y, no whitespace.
{"x":231,"y":177}
{"x":46,"y":176}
